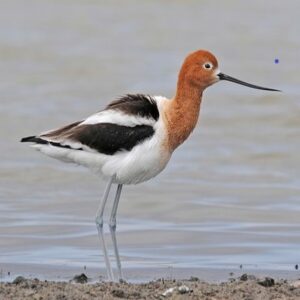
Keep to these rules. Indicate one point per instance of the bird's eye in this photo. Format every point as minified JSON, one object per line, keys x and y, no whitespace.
{"x":207,"y":66}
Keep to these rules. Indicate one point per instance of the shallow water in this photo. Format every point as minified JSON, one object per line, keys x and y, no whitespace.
{"x":231,"y":193}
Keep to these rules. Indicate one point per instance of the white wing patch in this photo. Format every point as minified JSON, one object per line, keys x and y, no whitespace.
{"x":117,"y":117}
{"x":120,"y":118}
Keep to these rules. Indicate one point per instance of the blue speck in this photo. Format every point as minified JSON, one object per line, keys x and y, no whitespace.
{"x":276,"y":61}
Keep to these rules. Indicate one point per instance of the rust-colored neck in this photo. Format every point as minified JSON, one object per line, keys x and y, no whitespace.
{"x":182,"y":112}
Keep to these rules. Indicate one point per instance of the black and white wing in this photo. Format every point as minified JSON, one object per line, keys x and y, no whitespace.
{"x":122,"y":125}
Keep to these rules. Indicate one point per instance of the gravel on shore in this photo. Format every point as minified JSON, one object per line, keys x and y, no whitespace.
{"x":246,"y":287}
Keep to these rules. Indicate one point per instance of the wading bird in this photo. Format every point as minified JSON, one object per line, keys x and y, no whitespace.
{"x":133,"y":138}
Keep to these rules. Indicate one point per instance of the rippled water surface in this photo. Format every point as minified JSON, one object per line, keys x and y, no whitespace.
{"x":231,"y":193}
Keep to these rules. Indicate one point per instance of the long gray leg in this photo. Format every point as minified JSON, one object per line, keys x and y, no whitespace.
{"x":99,"y":224}
{"x":100,"y":211}
{"x":113,"y":216}
{"x":113,"y":226}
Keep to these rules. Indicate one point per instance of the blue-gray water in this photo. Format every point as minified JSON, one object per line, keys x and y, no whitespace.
{"x":229,"y":196}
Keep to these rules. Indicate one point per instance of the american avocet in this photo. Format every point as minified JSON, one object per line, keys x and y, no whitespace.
{"x":133,"y":138}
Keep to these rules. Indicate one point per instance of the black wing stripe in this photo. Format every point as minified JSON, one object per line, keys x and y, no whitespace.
{"x":110,"y":138}
{"x":33,"y":139}
{"x":136,"y":104}
{"x":37,"y":140}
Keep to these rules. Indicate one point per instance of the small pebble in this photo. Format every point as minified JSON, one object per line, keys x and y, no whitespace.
{"x":168,"y":292}
{"x":183,"y":289}
{"x":118,"y":293}
{"x":244,"y":277}
{"x":267,"y":282}
{"x":194,"y":278}
{"x":19,"y":279}
{"x":82,"y":278}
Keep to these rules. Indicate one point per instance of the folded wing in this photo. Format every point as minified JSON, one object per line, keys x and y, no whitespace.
{"x":124,"y":124}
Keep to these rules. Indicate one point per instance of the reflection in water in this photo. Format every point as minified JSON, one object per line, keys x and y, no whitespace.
{"x":112,"y":228}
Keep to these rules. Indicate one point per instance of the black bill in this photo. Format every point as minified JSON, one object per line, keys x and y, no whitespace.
{"x":229,"y":78}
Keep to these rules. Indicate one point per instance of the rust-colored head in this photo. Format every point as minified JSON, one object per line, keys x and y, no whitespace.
{"x":199,"y":69}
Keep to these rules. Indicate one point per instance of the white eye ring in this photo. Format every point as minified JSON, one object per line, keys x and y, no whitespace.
{"x":207,"y":66}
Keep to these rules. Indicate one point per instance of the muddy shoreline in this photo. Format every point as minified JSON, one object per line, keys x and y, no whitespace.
{"x":244,"y":287}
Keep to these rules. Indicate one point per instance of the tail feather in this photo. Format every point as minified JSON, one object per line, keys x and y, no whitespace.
{"x":33,"y":139}
{"x":38,"y":140}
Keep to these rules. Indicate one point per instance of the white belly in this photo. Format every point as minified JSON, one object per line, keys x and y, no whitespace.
{"x":143,"y":162}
